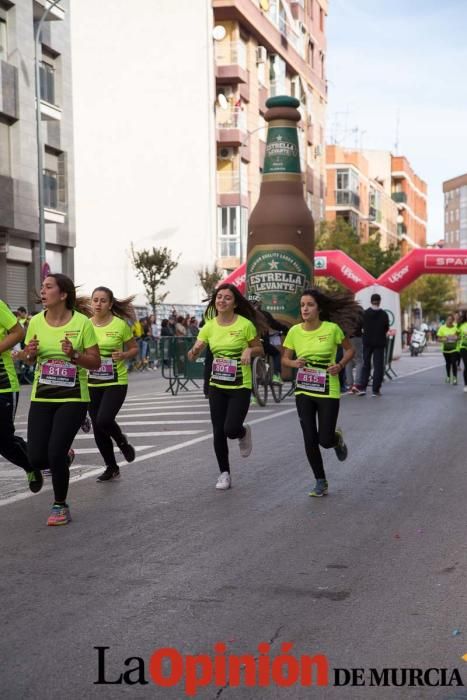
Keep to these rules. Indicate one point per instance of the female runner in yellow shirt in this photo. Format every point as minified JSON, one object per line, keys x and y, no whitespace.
{"x":310,"y":347}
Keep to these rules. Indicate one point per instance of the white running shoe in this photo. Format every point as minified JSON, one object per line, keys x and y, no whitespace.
{"x":224,"y":481}
{"x":245,"y":443}
{"x":465,"y":390}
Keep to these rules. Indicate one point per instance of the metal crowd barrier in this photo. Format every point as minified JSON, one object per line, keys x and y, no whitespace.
{"x":175,"y":365}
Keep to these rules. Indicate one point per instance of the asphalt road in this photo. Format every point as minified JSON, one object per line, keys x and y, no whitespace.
{"x":372,"y":576}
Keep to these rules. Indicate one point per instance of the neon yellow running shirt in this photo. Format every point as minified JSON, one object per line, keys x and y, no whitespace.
{"x":462,"y":331}
{"x":448,"y":338}
{"x":111,"y":338}
{"x":8,"y":379}
{"x":318,"y":348}
{"x":56,"y":378}
{"x":227,"y":344}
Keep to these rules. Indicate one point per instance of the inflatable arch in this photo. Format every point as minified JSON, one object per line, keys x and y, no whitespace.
{"x":336,"y":264}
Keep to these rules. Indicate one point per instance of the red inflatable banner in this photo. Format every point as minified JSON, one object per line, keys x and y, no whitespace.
{"x":422,"y":261}
{"x":328,"y":263}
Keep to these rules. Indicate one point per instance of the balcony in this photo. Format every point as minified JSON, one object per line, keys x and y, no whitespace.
{"x":347,"y":198}
{"x":39,"y":7}
{"x":399,"y":197}
{"x":231,"y":126}
{"x":401,"y":230}
{"x":231,"y":191}
{"x":231,"y":62}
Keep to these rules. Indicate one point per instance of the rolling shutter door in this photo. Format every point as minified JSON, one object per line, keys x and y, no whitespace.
{"x":16,"y":285}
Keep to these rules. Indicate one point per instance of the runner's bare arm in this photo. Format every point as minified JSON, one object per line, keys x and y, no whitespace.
{"x":130,"y":350}
{"x":15,"y":335}
{"x":254,"y":349}
{"x":288,"y":359}
{"x":197,"y":348}
{"x":349,"y":352}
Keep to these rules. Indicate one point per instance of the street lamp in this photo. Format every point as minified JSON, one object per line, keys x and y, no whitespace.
{"x":40,"y":166}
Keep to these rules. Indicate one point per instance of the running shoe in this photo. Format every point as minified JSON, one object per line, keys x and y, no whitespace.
{"x":127,"y":450}
{"x":341,"y":448}
{"x":361,"y":392}
{"x":59,"y":515}
{"x":454,"y":380}
{"x":465,"y":390}
{"x":224,"y":482}
{"x":109,"y":474}
{"x":320,"y":489}
{"x":245,"y":443}
{"x":376,"y":393}
{"x":447,"y":380}
{"x":35,"y":481}
{"x":277,"y":379}
{"x":86,"y":424}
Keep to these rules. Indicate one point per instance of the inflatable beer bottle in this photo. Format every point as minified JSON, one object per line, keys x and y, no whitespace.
{"x":280,"y":249}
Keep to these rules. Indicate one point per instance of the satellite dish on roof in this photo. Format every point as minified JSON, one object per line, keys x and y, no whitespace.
{"x":219,"y":32}
{"x":222,"y":101}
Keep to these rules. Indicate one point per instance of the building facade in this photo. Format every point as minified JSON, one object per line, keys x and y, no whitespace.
{"x":377,"y":192}
{"x":19,"y":209}
{"x":264,"y":48}
{"x":177,"y":137}
{"x":359,"y":193}
{"x":409,"y":192}
{"x":455,"y":222}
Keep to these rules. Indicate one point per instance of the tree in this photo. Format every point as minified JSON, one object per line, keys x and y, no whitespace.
{"x":209,"y":279}
{"x":153,"y":267}
{"x":339,"y":235}
{"x":433,"y":292}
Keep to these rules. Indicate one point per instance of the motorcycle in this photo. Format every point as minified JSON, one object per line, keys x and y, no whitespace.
{"x":417,"y":343}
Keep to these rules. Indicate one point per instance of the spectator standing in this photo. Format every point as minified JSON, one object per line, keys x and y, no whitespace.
{"x":375,"y":328}
{"x":354,"y":381}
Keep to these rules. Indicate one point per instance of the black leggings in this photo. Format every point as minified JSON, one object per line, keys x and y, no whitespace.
{"x":451,"y":359}
{"x":228,"y":411}
{"x":326,"y":410}
{"x":12,"y":446}
{"x":463,"y":354}
{"x":104,"y":406}
{"x":51,"y":430}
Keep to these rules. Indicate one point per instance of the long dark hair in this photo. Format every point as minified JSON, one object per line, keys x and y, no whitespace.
{"x":123,"y":308}
{"x":462,"y":318}
{"x":338,"y":307}
{"x":242,"y":307}
{"x":73,"y":302}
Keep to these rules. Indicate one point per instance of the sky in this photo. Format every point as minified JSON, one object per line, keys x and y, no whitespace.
{"x":397,"y":72}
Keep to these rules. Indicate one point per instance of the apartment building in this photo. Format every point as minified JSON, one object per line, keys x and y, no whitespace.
{"x":455,"y":222}
{"x":375,"y":191}
{"x":359,"y":192}
{"x":19,"y":211}
{"x":409,"y":192}
{"x":264,"y":48}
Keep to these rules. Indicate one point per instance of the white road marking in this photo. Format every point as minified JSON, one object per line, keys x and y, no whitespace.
{"x":157,"y":453}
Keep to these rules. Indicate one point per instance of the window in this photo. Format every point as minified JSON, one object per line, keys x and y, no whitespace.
{"x":3,"y":38}
{"x":47,"y":79}
{"x":277,"y":73}
{"x":4,"y":148}
{"x":50,"y":189}
{"x":321,"y":19}
{"x":311,"y":54}
{"x":229,"y":232}
{"x":347,"y":180}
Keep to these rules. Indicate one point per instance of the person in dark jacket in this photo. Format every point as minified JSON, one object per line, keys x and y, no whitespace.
{"x":375,"y":328}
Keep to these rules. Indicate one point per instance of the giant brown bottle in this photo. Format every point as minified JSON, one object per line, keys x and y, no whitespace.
{"x":281,"y":236}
